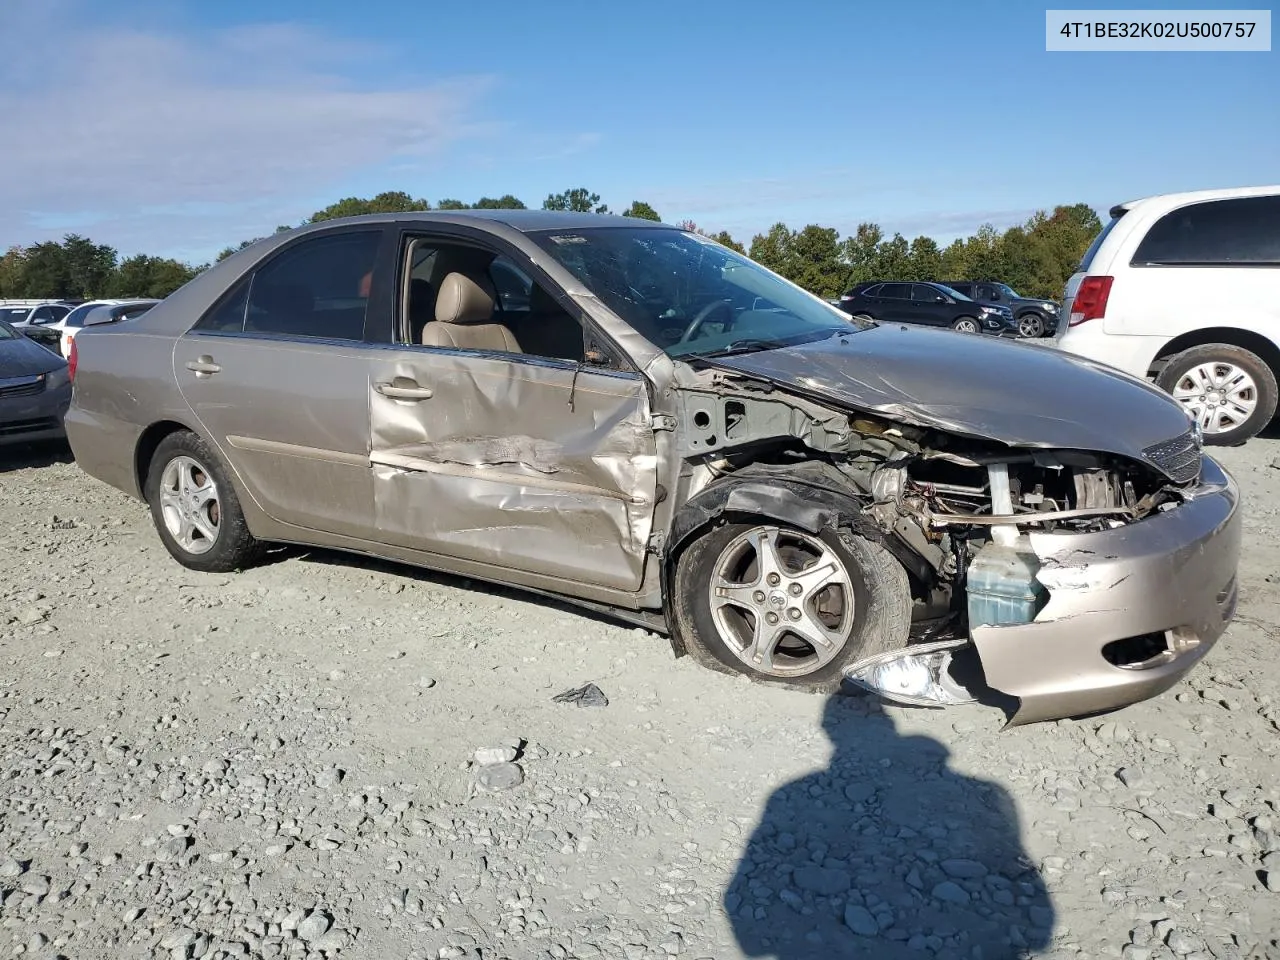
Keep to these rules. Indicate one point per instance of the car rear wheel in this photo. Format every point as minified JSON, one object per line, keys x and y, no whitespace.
{"x":1230,"y":391}
{"x":966,"y":325}
{"x":1030,"y":325}
{"x":194,"y":507}
{"x":787,"y":607}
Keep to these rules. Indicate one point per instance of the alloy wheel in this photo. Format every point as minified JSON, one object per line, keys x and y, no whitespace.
{"x":1030,"y":325}
{"x":782,"y":601}
{"x":189,"y":504}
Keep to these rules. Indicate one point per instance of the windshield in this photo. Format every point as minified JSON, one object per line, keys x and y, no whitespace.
{"x":7,"y":332}
{"x":13,"y":314}
{"x":689,"y":295}
{"x":950,"y":292}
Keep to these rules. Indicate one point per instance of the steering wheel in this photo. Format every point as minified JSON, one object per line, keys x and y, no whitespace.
{"x":703,"y":315}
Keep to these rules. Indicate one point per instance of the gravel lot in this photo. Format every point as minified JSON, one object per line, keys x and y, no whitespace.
{"x":281,"y":763}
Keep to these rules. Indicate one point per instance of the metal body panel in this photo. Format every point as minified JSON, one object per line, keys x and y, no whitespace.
{"x":1173,"y":572}
{"x":291,"y":418}
{"x":536,"y":465}
{"x":1015,"y":393}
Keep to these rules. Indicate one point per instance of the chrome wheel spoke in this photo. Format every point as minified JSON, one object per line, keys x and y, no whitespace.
{"x":769,"y":594}
{"x":188,"y":504}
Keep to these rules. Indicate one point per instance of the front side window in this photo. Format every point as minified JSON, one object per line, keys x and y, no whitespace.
{"x":1243,"y":230}
{"x":316,"y":289}
{"x":926,"y":294}
{"x":689,"y":295}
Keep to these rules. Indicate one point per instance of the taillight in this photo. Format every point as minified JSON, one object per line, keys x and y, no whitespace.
{"x":1090,"y":302}
{"x":73,"y":357}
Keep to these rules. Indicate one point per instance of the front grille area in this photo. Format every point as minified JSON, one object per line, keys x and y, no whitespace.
{"x":12,"y":428}
{"x":1178,"y":459}
{"x":24,"y":387}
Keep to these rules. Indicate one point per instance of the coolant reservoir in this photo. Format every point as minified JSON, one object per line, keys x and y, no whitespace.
{"x":1002,"y":585}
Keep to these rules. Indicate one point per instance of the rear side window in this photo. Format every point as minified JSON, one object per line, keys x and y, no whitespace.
{"x":1242,"y":230}
{"x":318,"y":288}
{"x":871,"y":291}
{"x":896,"y":291}
{"x":1090,"y":253}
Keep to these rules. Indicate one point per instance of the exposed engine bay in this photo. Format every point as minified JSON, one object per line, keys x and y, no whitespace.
{"x":956,"y":511}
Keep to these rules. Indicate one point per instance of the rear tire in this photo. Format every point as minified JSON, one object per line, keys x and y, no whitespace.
{"x":1230,"y":390}
{"x":868,"y":613}
{"x":195,"y":508}
{"x":966,"y":325}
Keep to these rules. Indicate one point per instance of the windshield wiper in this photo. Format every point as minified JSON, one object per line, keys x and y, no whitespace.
{"x":743,"y":346}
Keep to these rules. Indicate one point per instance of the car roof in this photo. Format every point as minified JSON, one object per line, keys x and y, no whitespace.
{"x":1171,"y":201}
{"x":526,"y":221}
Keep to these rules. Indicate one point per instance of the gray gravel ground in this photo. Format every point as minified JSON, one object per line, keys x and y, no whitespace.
{"x":283,"y":763}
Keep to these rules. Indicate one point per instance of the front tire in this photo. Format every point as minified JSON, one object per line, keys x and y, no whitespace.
{"x":195,"y":508}
{"x":966,"y":325}
{"x":1229,"y":390}
{"x":1031,"y":325}
{"x":786,"y":607}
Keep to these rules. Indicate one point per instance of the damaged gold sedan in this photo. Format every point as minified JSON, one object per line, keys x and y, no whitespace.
{"x":632,"y":416}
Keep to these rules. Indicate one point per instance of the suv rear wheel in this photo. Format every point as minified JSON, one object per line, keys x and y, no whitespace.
{"x":1229,"y":390}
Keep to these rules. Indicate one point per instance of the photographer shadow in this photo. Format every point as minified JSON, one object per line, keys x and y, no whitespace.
{"x":888,"y":853}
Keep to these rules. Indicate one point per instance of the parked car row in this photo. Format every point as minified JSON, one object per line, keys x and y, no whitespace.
{"x":54,"y":323}
{"x":966,"y":306}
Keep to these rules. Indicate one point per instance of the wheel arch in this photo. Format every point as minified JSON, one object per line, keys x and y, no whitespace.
{"x":1266,"y":349}
{"x":793,"y":500}
{"x":148,"y":442}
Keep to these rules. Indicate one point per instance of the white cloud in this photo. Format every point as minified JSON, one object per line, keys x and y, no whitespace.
{"x":165,"y":143}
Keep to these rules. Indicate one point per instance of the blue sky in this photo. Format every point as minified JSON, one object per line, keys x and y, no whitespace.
{"x":177,"y":128}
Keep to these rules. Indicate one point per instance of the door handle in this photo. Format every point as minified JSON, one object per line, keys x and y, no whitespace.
{"x":409,"y":391}
{"x":203,"y":367}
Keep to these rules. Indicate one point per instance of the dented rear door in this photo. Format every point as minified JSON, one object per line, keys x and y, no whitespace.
{"x":521,"y":462}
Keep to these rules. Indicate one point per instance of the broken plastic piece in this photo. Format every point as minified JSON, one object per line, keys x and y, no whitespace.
{"x":918,"y":675}
{"x":586,"y":696}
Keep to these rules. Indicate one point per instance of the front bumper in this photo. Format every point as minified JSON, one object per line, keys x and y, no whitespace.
{"x":1168,"y":581}
{"x":33,"y":417}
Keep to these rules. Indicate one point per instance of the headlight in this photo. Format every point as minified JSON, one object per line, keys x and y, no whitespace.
{"x":57,"y":378}
{"x":990,"y":309}
{"x":1049,"y":307}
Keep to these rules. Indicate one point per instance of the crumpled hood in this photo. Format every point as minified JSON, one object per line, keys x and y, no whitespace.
{"x":1015,"y":393}
{"x":21,"y":357}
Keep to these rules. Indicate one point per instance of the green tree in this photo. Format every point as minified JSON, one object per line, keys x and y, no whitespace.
{"x":578,"y":200}
{"x":391,"y":201}
{"x":642,"y":210}
{"x":504,"y":202}
{"x":12,"y":265}
{"x":860,"y":253}
{"x":146,"y":276}
{"x":450,"y":204}
{"x":772,"y":249}
{"x":926,"y":259}
{"x":955,"y":261}
{"x":90,"y":265}
{"x":45,"y":272}
{"x":893,"y":259}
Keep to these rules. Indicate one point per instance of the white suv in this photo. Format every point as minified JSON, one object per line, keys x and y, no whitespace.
{"x":1184,"y":288}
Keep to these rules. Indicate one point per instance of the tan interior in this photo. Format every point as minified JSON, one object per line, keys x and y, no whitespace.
{"x":464,"y":314}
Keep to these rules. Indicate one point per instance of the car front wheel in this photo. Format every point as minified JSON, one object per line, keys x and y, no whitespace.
{"x":1230,"y":391}
{"x":1030,"y":325}
{"x":788,"y":607}
{"x":966,"y":325}
{"x":194,"y":507}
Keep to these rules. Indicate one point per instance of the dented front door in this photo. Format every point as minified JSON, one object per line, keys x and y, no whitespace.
{"x":517,"y":461}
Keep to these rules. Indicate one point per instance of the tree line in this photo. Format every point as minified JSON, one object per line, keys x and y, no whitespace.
{"x":1035,"y":258}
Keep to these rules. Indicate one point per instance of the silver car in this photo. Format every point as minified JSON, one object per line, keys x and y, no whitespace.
{"x":635,"y":417}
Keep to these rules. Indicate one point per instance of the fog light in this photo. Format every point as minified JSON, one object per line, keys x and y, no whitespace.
{"x":919,"y":675}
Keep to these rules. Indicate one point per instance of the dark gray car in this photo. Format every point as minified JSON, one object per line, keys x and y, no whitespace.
{"x":35,"y":389}
{"x":635,"y":417}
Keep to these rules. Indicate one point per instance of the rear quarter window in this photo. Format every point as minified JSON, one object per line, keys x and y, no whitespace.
{"x":1239,"y":231}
